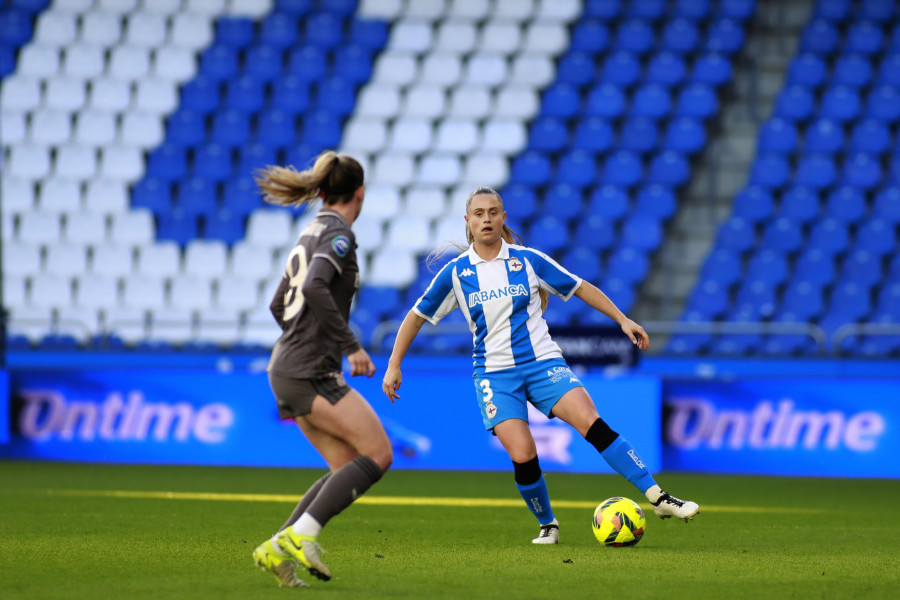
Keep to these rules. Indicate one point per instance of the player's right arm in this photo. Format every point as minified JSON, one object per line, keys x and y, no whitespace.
{"x":393,"y":377}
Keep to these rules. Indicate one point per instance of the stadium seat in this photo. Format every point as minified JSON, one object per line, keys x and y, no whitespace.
{"x":807,"y":69}
{"x":768,"y":266}
{"x":650,"y":100}
{"x":596,"y":232}
{"x":655,"y":200}
{"x":643,"y":232}
{"x":593,"y":134}
{"x":819,"y":36}
{"x":846,"y":203}
{"x":816,"y":171}
{"x":876,"y":236}
{"x":769,"y":171}
{"x":862,"y":268}
{"x":621,"y":68}
{"x":697,"y":100}
{"x":576,"y":168}
{"x":862,"y":171}
{"x":708,"y":300}
{"x":736,"y":234}
{"x":639,"y":135}
{"x":669,"y":168}
{"x":609,"y":201}
{"x":623,"y":169}
{"x":887,"y":205}
{"x":803,"y":300}
{"x":722,"y":267}
{"x":777,"y":135}
{"x":563,"y":201}
{"x":634,"y":36}
{"x":795,"y":102}
{"x":800,"y":204}
{"x":864,"y":37}
{"x":829,"y":235}
{"x":679,"y":35}
{"x":883,"y":103}
{"x":753,"y":204}
{"x":851,"y":70}
{"x":590,"y":35}
{"x":783,"y":234}
{"x":824,"y":136}
{"x":685,"y":135}
{"x":666,"y":68}
{"x":628,"y":264}
{"x":606,"y":100}
{"x":870,"y":136}
{"x":712,"y":69}
{"x":840,"y":103}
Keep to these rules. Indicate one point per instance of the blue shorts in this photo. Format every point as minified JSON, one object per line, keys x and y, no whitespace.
{"x":502,"y":394}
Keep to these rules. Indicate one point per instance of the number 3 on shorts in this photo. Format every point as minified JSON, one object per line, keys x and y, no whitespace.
{"x":486,"y":388}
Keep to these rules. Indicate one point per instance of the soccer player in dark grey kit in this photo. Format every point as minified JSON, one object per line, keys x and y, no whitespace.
{"x":312,"y":305}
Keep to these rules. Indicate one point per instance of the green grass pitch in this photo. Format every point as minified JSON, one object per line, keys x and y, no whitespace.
{"x":187,"y":532}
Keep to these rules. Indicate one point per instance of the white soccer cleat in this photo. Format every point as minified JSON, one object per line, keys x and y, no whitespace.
{"x":549,"y":534}
{"x":668,"y":506}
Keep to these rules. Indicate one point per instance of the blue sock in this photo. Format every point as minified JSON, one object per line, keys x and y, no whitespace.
{"x":622,"y":457}
{"x":538,"y":500}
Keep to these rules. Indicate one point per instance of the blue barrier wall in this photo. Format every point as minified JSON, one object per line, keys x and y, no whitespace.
{"x":204,"y":416}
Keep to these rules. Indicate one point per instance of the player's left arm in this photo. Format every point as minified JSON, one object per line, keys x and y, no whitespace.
{"x":596,"y":299}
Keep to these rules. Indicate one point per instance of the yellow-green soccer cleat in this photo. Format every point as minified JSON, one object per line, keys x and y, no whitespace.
{"x":306,"y":550}
{"x":279,"y":564}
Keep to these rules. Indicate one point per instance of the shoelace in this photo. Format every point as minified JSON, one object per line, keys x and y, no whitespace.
{"x":545,"y":530}
{"x":673,"y":500}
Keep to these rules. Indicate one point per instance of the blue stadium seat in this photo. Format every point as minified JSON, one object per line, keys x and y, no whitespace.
{"x":638,"y":134}
{"x":852,"y":70}
{"x":340,"y":8}
{"x":833,"y":10}
{"x":804,"y":300}
{"x":819,"y":36}
{"x":628,"y":264}
{"x":712,"y":69}
{"x":877,"y":10}
{"x":302,"y":155}
{"x":353,"y":63}
{"x":784,"y":235}
{"x":290,"y":94}
{"x":531,"y":168}
{"x":234,"y":31}
{"x":371,"y":33}
{"x":167,"y":162}
{"x":655,"y":200}
{"x":263,"y":62}
{"x":894,"y":42}
{"x":788,"y":344}
{"x":830,"y":236}
{"x":563,"y":201}
{"x":650,"y":100}
{"x":871,"y":136}
{"x":576,"y":69}
{"x":795,"y":102}
{"x":737,"y":9}
{"x":737,"y":344}
{"x":548,"y":134}
{"x":561,"y":100}
{"x":520,"y":200}
{"x":648,"y":10}
{"x":777,"y":135}
{"x":862,"y":268}
{"x":846,"y":203}
{"x":876,"y":236}
{"x":231,"y":127}
{"x":309,"y":63}
{"x":697,"y":100}
{"x":690,"y":343}
{"x":224,"y":225}
{"x":563,"y":314}
{"x":862,"y":170}
{"x":185,"y":128}
{"x":894,"y":168}
{"x":245,"y":94}
{"x":634,"y":35}
{"x":643,"y":232}
{"x":219,"y":63}
{"x":602,"y":9}
{"x":840,"y":103}
{"x":709,"y":300}
{"x":608,"y":201}
{"x":15,"y":26}
{"x":593,"y":134}
{"x":336,"y":95}
{"x":322,"y":130}
{"x":889,"y":73}
{"x":255,"y":156}
{"x":325,"y":30}
{"x":815,"y":267}
{"x":736,"y":234}
{"x":152,"y":193}
{"x":807,"y":69}
{"x":768,"y":266}
{"x":887,"y":205}
{"x":753,"y":204}
{"x":606,"y":100}
{"x":725,"y":36}
{"x":824,"y":136}
{"x":669,"y":168}
{"x":241,"y":196}
{"x":200,"y":95}
{"x":816,"y":171}
{"x":279,"y":29}
{"x":382,"y":301}
{"x":623,"y":168}
{"x":685,"y":135}
{"x":212,"y":161}
{"x":722,"y":266}
{"x":621,"y":68}
{"x":195,"y":196}
{"x":800,"y":204}
{"x":691,"y":9}
{"x":595,"y":232}
{"x":178,"y":227}
{"x":679,"y":35}
{"x":850,"y":301}
{"x":619,"y":291}
{"x":883,"y":103}
{"x":552,"y":232}
{"x":769,"y":171}
{"x":888,"y":298}
{"x":589,"y":35}
{"x":584,"y":262}
{"x":665,"y":68}
{"x":7,"y":67}
{"x":577,"y":168}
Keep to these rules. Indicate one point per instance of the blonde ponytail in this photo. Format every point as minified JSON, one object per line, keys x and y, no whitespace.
{"x":333,"y":177}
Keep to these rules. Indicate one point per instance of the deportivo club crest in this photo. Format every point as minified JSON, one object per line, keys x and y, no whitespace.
{"x":514,"y":264}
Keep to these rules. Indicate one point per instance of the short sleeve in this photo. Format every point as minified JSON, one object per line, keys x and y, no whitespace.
{"x":439,"y":299}
{"x":552,"y":276}
{"x":337,"y":246}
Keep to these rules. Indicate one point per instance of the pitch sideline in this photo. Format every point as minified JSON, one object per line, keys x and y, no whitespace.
{"x":400,"y":501}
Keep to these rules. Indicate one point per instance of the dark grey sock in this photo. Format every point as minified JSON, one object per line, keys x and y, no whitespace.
{"x":343,"y":487}
{"x":306,"y":500}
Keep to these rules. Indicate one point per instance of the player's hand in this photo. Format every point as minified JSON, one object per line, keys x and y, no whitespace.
{"x":636,"y":334}
{"x":361,"y":364}
{"x":391,"y":383}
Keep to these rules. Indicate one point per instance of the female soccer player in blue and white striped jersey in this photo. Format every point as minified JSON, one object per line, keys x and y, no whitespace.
{"x":501,"y":288}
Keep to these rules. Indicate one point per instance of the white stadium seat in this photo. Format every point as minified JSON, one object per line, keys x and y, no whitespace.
{"x":486,"y":69}
{"x":18,"y":194}
{"x":190,"y":30}
{"x":505,"y":136}
{"x":85,"y":227}
{"x":205,"y":259}
{"x":470,"y":102}
{"x":112,"y":260}
{"x":428,"y":202}
{"x":517,"y":103}
{"x":38,"y":60}
{"x":269,"y":228}
{"x":219,"y":328}
{"x":82,"y":61}
{"x":500,"y":37}
{"x":393,"y":169}
{"x":171,"y":326}
{"x":120,"y":7}
{"x":456,"y":37}
{"x":100,"y":28}
{"x":365,"y":134}
{"x":75,"y":161}
{"x":439,"y":169}
{"x":558,"y":10}
{"x":39,"y":228}
{"x":369,"y":233}
{"x":485,"y":169}
{"x":20,"y":93}
{"x":378,"y":101}
{"x":410,"y":36}
{"x":133,"y":228}
{"x":424,"y":101}
{"x":50,"y":291}
{"x":65,"y":93}
{"x":73,"y":6}
{"x":65,"y":259}
{"x":391,"y":267}
{"x":21,"y":259}
{"x":410,"y":135}
{"x":382,"y":201}
{"x":50,"y":127}
{"x":532,"y":70}
{"x":260,"y":328}
{"x":106,"y":197}
{"x":145,"y":29}
{"x":456,"y":136}
{"x":249,"y":261}
{"x":33,"y":322}
{"x":408,"y":233}
{"x":160,"y":260}
{"x":513,"y":10}
{"x":254,"y":9}
{"x":59,"y":195}
{"x":443,"y":70}
{"x":430,"y":10}
{"x":164,"y":7}
{"x":141,"y":130}
{"x":155,"y":95}
{"x":78,"y":322}
{"x":127,"y":323}
{"x":129,"y":62}
{"x":55,"y":28}
{"x":174,"y":63}
{"x":95,"y":127}
{"x":121,"y":163}
{"x":96,"y":291}
{"x":14,"y":126}
{"x":187,"y":292}
{"x":112,"y":95}
{"x":236,"y":294}
{"x":380,"y":9}
{"x":28,"y":161}
{"x":14,"y":290}
{"x":475,"y":10}
{"x":396,"y":69}
{"x":139,"y":291}
{"x":451,"y":228}
{"x":546,"y":38}
{"x":206,"y":7}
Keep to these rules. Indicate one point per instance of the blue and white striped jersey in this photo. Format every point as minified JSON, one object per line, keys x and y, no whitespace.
{"x":500,"y":300}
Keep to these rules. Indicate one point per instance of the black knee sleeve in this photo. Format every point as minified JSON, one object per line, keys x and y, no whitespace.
{"x":600,"y":435}
{"x":369,"y":467}
{"x":527,"y":472}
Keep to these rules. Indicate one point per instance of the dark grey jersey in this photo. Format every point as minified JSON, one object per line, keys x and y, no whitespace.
{"x":312,"y":303}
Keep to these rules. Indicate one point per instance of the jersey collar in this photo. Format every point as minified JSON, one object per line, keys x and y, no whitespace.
{"x":331,"y":213}
{"x":503,"y":255}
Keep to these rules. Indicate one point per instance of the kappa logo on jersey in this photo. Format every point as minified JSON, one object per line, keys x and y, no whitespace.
{"x":514,"y":264}
{"x":483,"y":296}
{"x":341,"y":245}
{"x":467,"y":272}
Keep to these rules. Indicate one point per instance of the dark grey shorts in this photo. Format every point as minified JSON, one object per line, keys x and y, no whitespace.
{"x":295,"y":396}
